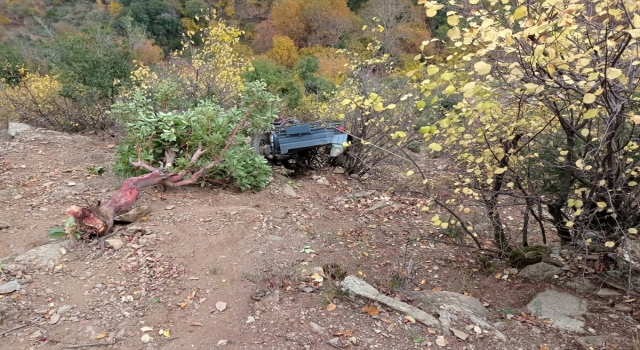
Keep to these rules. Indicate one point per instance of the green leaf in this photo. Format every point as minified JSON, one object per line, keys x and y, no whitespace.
{"x":56,"y":232}
{"x":420,"y":104}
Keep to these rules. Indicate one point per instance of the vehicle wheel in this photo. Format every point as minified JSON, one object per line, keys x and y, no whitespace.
{"x":259,"y":141}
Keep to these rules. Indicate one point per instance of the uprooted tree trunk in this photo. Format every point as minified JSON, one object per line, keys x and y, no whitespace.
{"x":98,"y":221}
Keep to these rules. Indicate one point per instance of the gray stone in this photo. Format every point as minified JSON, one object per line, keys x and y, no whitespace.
{"x":581,"y":284}
{"x":431,"y":301}
{"x":42,"y":256}
{"x":9,"y":287}
{"x":289,"y":191}
{"x":274,"y":238}
{"x":17,"y":128}
{"x":564,"y":309}
{"x":134,"y":214}
{"x":4,"y":224}
{"x":317,"y":328}
{"x":323,"y":181}
{"x":361,"y":288}
{"x":539,"y":272}
{"x":338,"y":170}
{"x":64,"y":309}
{"x":607,"y":292}
{"x":115,"y":243}
{"x":9,"y":193}
{"x":592,"y":342}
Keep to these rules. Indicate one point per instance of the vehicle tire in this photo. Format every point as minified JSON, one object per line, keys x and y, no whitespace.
{"x":258,"y":141}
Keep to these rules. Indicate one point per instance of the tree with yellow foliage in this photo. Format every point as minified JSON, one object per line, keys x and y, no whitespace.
{"x":548,"y":116}
{"x":284,"y":51}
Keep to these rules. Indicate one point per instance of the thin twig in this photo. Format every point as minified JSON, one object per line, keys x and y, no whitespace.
{"x":14,"y":329}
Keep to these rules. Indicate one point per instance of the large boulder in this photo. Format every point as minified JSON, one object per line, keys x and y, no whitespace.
{"x":540,"y":272}
{"x":564,"y":309}
{"x":528,"y":255}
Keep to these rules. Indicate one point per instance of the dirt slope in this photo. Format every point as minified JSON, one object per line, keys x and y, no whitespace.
{"x":202,"y":246}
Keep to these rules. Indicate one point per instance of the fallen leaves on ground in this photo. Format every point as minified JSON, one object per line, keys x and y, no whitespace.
{"x":371,"y":310}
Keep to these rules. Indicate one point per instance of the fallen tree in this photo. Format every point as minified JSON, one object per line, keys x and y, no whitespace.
{"x":205,"y":142}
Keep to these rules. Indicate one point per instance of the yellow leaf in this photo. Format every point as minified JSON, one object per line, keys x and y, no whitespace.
{"x":444,"y":225}
{"x":431,"y":69}
{"x":453,"y":33}
{"x":613,"y":73}
{"x":166,"y":333}
{"x":499,"y":171}
{"x":633,"y":231}
{"x":590,"y":113}
{"x":431,"y":12}
{"x":635,"y":33}
{"x":580,"y":164}
{"x":453,"y":20}
{"x":378,"y":107}
{"x":631,"y":183}
{"x":482,"y":68}
{"x":435,"y":147}
{"x":519,"y":13}
{"x":635,"y":119}
{"x":584,"y":132}
{"x":569,"y":224}
{"x":421,"y":104}
{"x":331,"y":307}
{"x":601,"y":205}
{"x":410,"y":172}
{"x":589,"y":98}
{"x":101,"y":335}
{"x":610,"y":244}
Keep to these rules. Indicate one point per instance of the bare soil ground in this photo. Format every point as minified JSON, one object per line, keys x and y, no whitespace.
{"x":202,"y":246}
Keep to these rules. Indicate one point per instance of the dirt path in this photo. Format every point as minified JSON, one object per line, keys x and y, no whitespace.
{"x":202,"y":246}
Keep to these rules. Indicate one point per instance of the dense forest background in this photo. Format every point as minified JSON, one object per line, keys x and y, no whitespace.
{"x":292,"y":45}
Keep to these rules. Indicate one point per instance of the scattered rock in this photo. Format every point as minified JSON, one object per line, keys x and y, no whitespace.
{"x":221,"y":306}
{"x":250,"y":319}
{"x":115,"y":243}
{"x":9,"y":287}
{"x":528,"y":255}
{"x":132,"y":230}
{"x":361,"y":288}
{"x":565,"y":309}
{"x":64,"y":309}
{"x":338,"y":170}
{"x":317,"y":328}
{"x":71,"y":183}
{"x":42,"y":255}
{"x":459,"y":334}
{"x":628,"y":255}
{"x":607,"y":292}
{"x":134,"y":214}
{"x":268,"y":301}
{"x":581,"y":284}
{"x":540,"y":272}
{"x":17,"y":128}
{"x":450,"y":306}
{"x":592,"y":342}
{"x":36,"y":335}
{"x":323,"y":181}
{"x":4,"y":224}
{"x":289,"y":191}
{"x":222,"y":342}
{"x":441,"y":341}
{"x":54,"y":318}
